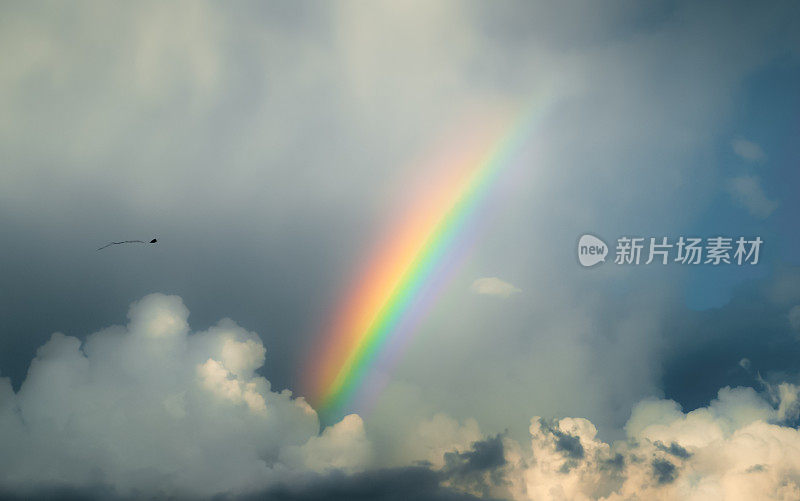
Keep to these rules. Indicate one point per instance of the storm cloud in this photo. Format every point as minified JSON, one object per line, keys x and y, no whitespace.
{"x":272,"y":146}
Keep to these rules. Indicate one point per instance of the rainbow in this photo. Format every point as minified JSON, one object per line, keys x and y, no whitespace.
{"x":400,"y":282}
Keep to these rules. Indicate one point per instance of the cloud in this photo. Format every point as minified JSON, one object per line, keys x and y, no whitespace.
{"x":419,"y":483}
{"x":493,"y":286}
{"x":479,"y":470}
{"x":434,"y":437}
{"x":299,"y":105}
{"x":748,"y":150}
{"x":156,"y":409}
{"x":736,"y":448}
{"x":324,"y":453}
{"x":303,"y":101}
{"x":747,"y":192}
{"x":794,"y":318}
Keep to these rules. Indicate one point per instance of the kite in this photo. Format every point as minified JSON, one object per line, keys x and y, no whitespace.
{"x":128,"y":242}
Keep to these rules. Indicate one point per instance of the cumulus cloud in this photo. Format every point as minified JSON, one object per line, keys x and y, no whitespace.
{"x":747,"y":192}
{"x":741,"y":446}
{"x":493,"y":286}
{"x":325,"y":452}
{"x":154,"y":408}
{"x":748,"y":150}
{"x":736,"y":448}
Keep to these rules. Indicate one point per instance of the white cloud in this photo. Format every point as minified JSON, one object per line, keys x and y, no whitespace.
{"x":493,"y":286}
{"x":156,"y":408}
{"x":748,"y":150}
{"x":747,"y":192}
{"x":325,"y":452}
{"x":734,"y":449}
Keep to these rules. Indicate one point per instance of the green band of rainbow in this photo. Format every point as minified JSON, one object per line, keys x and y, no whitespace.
{"x":382,"y":300}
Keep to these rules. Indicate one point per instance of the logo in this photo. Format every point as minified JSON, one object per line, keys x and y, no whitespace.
{"x":591,"y":250}
{"x":715,"y":251}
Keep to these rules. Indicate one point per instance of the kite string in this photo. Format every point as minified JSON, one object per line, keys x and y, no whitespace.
{"x":123,"y":242}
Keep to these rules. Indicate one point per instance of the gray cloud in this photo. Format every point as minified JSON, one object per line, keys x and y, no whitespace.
{"x":395,"y":484}
{"x":664,"y":471}
{"x":674,"y":449}
{"x":269,"y":146}
{"x":479,"y":470}
{"x":568,"y":444}
{"x":484,"y":455}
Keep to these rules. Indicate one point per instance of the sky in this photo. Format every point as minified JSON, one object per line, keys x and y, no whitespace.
{"x":278,"y":150}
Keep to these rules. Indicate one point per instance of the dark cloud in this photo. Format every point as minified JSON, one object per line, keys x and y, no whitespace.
{"x":706,"y":349}
{"x":674,"y":449}
{"x":485,"y":455}
{"x":568,"y":444}
{"x":394,"y":484}
{"x":664,"y":471}
{"x":615,"y":464}
{"x":96,"y":493}
{"x":479,"y":470}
